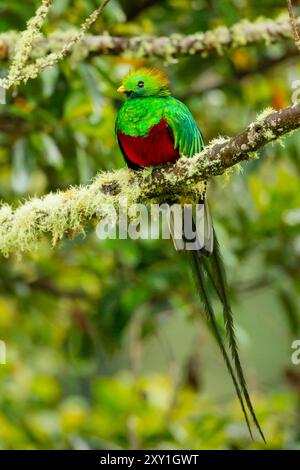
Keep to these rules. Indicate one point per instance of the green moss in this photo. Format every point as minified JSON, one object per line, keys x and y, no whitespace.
{"x":167,"y":48}
{"x":263,"y":115}
{"x":20,"y":70}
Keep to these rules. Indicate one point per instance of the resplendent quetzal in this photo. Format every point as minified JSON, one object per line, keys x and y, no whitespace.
{"x":154,"y":128}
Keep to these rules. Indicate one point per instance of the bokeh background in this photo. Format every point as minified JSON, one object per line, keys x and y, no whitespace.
{"x":106,"y":346}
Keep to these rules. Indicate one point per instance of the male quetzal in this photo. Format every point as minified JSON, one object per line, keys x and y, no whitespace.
{"x":154,"y":128}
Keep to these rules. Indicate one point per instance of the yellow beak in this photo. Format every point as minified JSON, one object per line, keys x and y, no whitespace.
{"x":121,"y":89}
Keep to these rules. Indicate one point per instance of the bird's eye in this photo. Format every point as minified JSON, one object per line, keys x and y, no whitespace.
{"x":141,"y":84}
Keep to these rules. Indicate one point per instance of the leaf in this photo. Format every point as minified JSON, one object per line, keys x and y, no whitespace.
{"x":52,"y":153}
{"x":290,"y":307}
{"x":83,"y":165}
{"x":49,"y":78}
{"x":92,"y":84}
{"x":114,"y":14}
{"x":21,"y":168}
{"x":59,"y":7}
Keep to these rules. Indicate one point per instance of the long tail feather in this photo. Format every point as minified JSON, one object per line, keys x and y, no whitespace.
{"x":208,"y":265}
{"x":218,"y":278}
{"x":198,"y":270}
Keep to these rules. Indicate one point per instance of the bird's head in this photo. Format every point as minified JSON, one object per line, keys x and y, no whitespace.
{"x":145,"y":82}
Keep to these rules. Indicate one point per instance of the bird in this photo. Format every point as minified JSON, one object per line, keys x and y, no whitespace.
{"x":153,"y":128}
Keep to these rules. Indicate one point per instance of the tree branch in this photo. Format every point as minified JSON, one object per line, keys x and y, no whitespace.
{"x":20,"y":70}
{"x":66,"y":213}
{"x":294,"y":24}
{"x":217,"y":40}
{"x":45,"y":285}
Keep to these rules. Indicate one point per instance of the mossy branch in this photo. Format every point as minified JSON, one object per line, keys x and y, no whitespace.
{"x":20,"y":70}
{"x":217,"y":40}
{"x":294,"y":25}
{"x":64,"y":213}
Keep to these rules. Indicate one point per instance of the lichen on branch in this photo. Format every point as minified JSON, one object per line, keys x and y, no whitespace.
{"x":294,"y":24}
{"x":24,"y":45}
{"x":217,"y":40}
{"x":20,"y":70}
{"x":62,"y":213}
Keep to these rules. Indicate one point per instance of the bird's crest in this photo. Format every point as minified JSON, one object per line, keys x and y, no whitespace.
{"x":145,"y":82}
{"x":158,"y":75}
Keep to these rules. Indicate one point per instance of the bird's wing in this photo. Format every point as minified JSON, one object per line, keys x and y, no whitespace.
{"x":186,"y":133}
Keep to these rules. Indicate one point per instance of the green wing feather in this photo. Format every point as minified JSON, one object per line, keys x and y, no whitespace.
{"x":186,"y":133}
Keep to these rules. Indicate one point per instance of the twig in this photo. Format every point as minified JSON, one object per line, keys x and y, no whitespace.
{"x":46,"y":286}
{"x":293,"y":23}
{"x":218,"y":40}
{"x":19,"y":72}
{"x":25,"y":44}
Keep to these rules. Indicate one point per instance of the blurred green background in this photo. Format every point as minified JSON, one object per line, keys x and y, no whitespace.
{"x":106,"y":346}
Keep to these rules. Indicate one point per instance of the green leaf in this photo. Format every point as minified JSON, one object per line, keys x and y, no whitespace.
{"x":83,"y":165}
{"x":21,"y":167}
{"x":51,"y":152}
{"x":49,"y":78}
{"x":291,"y":310}
{"x":92,"y":83}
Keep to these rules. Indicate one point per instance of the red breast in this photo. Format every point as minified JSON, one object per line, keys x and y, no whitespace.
{"x":156,"y":148}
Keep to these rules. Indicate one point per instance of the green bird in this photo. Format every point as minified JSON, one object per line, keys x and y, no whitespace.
{"x":153,"y":128}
